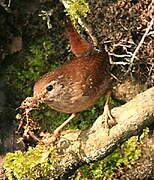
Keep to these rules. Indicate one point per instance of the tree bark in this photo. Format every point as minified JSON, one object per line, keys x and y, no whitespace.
{"x":82,"y":147}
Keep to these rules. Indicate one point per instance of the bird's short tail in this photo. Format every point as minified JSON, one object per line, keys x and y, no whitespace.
{"x":79,"y":46}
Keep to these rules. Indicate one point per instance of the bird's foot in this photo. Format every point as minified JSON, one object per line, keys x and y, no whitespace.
{"x":108,"y":119}
{"x":50,"y":139}
{"x":54,"y":138}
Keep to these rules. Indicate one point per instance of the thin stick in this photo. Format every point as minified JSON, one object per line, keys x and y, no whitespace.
{"x":9,"y":4}
{"x":120,"y":55}
{"x":33,"y":136}
{"x":141,"y":42}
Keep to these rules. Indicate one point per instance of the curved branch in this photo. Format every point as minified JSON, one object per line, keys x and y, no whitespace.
{"x":81,"y":147}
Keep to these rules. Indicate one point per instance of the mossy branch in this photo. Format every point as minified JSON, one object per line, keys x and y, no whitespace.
{"x":81,"y":147}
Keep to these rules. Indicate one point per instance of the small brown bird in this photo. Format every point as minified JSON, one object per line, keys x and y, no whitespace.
{"x":79,"y":83}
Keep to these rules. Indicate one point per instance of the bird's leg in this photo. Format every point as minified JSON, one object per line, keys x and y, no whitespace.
{"x":57,"y":132}
{"x":109,"y":121}
{"x":59,"y":129}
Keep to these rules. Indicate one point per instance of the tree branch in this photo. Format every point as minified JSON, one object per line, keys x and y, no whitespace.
{"x":81,"y":147}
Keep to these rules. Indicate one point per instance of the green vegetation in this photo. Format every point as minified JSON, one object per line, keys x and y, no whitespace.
{"x":33,"y":65}
{"x":35,"y":163}
{"x":39,"y":161}
{"x":77,"y":9}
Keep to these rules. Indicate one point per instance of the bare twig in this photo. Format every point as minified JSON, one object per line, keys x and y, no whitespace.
{"x":117,"y":63}
{"x":140,"y":43}
{"x":33,"y":136}
{"x":88,"y":29}
{"x":9,"y":4}
{"x":120,"y":55}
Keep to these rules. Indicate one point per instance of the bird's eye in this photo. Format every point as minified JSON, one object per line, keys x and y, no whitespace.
{"x":49,"y":88}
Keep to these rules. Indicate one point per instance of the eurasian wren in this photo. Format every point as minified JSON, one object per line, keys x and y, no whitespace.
{"x":79,"y":83}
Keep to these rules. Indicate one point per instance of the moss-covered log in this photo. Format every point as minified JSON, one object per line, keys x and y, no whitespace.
{"x":81,"y":147}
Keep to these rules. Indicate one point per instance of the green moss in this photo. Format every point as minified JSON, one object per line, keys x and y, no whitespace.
{"x":35,"y":163}
{"x":77,"y":9}
{"x":30,"y":66}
